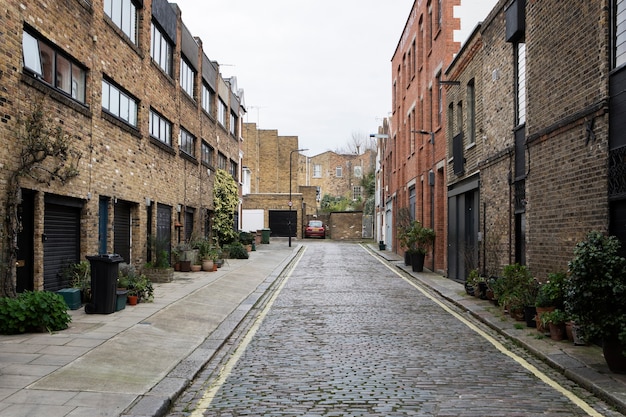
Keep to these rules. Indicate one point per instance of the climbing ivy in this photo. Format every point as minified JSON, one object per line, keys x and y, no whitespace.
{"x":225,"y":201}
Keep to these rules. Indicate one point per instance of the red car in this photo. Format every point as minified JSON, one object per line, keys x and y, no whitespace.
{"x":315,"y":228}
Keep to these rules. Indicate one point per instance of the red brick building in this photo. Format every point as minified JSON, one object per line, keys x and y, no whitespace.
{"x":414,"y":156}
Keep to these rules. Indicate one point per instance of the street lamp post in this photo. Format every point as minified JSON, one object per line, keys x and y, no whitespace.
{"x":291,"y":202}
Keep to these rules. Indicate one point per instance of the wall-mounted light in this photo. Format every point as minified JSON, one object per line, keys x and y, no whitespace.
{"x":379,"y":136}
{"x":148,"y":202}
{"x":179,"y":208}
{"x":426,"y":132}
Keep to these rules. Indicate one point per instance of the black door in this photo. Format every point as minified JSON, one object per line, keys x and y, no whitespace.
{"x":121,"y":230}
{"x":164,"y":227}
{"x":25,"y":243}
{"x":280,"y":223}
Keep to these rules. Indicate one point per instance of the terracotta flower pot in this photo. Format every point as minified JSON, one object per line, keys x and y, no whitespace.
{"x":132,"y":300}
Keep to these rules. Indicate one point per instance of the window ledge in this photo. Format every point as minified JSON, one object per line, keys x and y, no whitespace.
{"x":164,"y":146}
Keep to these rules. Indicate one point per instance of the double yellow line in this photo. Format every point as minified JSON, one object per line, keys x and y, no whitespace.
{"x":227,"y":369}
{"x":525,"y":364}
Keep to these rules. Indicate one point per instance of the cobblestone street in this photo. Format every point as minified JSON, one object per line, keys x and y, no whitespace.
{"x":348,"y":336}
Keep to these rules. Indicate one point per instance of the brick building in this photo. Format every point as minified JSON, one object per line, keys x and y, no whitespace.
{"x":153,"y":120}
{"x":267,"y":191}
{"x":414,"y":158}
{"x":528,"y":137}
{"x":338,"y":175}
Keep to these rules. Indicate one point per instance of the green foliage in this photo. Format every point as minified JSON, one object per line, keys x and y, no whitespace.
{"x":552,"y":292}
{"x":33,"y":311}
{"x":45,"y":153}
{"x":225,"y":200}
{"x":557,"y":316}
{"x":331,"y":204}
{"x":516,"y":288}
{"x":596,"y":291}
{"x":78,"y":275}
{"x":246,"y":238}
{"x":474,"y":278}
{"x":237,"y":251}
{"x":368,"y":182}
{"x":136,"y":284}
{"x":417,"y":238}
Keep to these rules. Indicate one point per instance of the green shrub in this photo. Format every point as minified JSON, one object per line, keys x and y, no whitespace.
{"x":33,"y":311}
{"x":237,"y":251}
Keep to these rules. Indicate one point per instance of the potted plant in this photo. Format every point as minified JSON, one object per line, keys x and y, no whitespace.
{"x":595,"y":295}
{"x":550,"y":296}
{"x":517,"y":289}
{"x":418,"y":240}
{"x":555,"y":321}
{"x":139,"y":287}
{"x":186,"y":256}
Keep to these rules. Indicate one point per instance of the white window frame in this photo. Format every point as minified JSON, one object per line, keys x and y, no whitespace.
{"x":187,"y":142}
{"x":119,"y":103}
{"x":161,"y":49}
{"x":221,"y":112}
{"x":160,"y":128}
{"x":187,"y":77}
{"x":339,"y":172}
{"x":207,"y":98}
{"x":123,"y":14}
{"x":317,"y":171}
{"x":50,"y":65}
{"x":207,"y":153}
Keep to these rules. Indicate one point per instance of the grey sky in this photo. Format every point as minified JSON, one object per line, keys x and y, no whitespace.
{"x":316,"y":69}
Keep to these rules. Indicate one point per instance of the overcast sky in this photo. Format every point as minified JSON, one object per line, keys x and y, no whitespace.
{"x":316,"y":69}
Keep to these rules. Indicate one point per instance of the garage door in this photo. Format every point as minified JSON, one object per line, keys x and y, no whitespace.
{"x":61,"y":243}
{"x":279,"y":222}
{"x":121,"y":231}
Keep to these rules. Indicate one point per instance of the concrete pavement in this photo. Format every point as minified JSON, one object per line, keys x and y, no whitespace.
{"x":135,"y":362}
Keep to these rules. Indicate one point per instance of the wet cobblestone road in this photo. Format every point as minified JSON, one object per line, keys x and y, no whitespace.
{"x":346,"y":336}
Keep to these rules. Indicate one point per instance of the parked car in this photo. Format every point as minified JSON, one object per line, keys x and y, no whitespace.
{"x":315,"y":228}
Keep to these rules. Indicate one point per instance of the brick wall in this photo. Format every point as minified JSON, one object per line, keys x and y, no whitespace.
{"x":120,"y":162}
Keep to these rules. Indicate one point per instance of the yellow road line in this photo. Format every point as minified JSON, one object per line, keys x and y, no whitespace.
{"x":525,"y":364}
{"x":209,"y":394}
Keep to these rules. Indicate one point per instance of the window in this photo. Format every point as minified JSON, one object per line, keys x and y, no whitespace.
{"x":160,"y":128}
{"x":471,"y":111}
{"x":619,"y":33}
{"x":221,"y":112}
{"x":119,"y":103}
{"x":161,"y":50}
{"x":338,"y":172}
{"x":187,"y":142}
{"x":459,"y":116}
{"x":439,"y":99}
{"x":356,"y":192}
{"x":450,"y":118}
{"x":233,"y":124}
{"x":317,"y":171}
{"x":358,"y":171}
{"x":411,"y":131}
{"x":413,"y":59}
{"x":52,"y":66}
{"x":207,"y":98}
{"x":439,"y":13}
{"x":318,"y":194}
{"x":207,"y":154}
{"x":521,"y":83}
{"x":221,"y":161}
{"x":187,"y":77}
{"x":234,"y":170}
{"x":124,"y":14}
